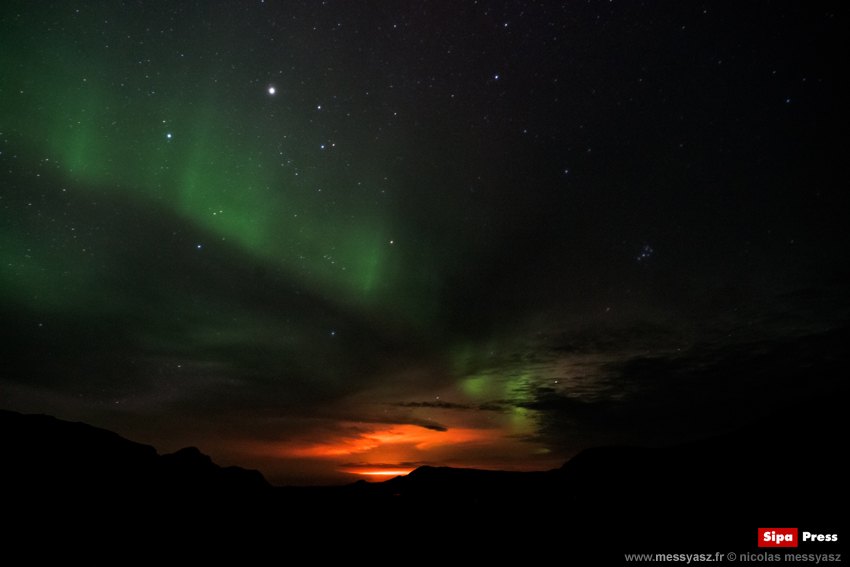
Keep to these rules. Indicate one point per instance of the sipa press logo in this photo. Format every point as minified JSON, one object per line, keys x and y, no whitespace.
{"x":777,"y":537}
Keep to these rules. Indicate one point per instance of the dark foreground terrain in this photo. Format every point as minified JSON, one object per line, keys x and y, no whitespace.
{"x":703,"y":497}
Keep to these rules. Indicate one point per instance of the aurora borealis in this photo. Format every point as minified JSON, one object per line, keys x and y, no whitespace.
{"x":323,"y":238}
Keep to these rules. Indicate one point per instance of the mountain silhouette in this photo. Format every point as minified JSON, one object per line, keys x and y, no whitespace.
{"x":785,"y":469}
{"x":45,"y":457}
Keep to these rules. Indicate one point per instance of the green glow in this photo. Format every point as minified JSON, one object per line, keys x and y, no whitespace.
{"x":519,"y":387}
{"x":218,"y":175}
{"x":478,"y":387}
{"x":233,"y":206}
{"x":46,"y":279}
{"x":522,"y":421}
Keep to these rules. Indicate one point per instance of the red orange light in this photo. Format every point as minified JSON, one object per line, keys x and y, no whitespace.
{"x":381,"y":435}
{"x":379,"y":472}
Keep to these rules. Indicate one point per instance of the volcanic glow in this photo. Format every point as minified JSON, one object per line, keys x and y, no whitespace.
{"x":380,"y":450}
{"x":363,"y":438}
{"x":380,"y":473}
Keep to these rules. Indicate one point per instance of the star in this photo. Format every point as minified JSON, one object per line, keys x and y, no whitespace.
{"x":271,"y":90}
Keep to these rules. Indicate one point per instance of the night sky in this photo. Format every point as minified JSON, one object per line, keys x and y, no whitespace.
{"x":324,"y":239}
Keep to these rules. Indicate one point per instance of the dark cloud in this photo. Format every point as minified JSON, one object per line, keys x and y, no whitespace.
{"x":433,"y":427}
{"x":666,"y":399}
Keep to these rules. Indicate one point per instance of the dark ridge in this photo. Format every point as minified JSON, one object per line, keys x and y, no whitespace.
{"x":45,"y":457}
{"x":786,"y":469}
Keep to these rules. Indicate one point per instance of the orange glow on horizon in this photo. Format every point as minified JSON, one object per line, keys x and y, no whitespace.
{"x":380,"y":451}
{"x":380,"y":435}
{"x":381,"y":472}
{"x":359,"y":438}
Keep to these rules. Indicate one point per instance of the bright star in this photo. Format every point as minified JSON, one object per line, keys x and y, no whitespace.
{"x":271,"y":90}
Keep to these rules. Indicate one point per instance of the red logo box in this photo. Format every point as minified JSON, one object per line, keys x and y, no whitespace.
{"x":778,"y":537}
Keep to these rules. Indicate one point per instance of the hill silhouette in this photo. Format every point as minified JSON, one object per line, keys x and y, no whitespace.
{"x":786,"y":469}
{"x":45,"y":457}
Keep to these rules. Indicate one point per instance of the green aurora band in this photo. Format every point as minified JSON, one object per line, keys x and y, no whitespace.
{"x":201,"y":163}
{"x":265,"y":196}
